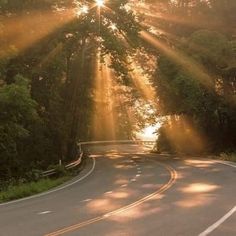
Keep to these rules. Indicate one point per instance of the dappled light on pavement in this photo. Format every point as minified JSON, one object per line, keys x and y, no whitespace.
{"x":113,"y":156}
{"x":199,"y":163}
{"x":123,"y":166}
{"x":198,"y":194}
{"x":118,"y":151}
{"x":121,"y":181}
{"x":101,"y":205}
{"x":195,"y":201}
{"x":200,"y":188}
{"x":142,"y":211}
{"x":119,"y":195}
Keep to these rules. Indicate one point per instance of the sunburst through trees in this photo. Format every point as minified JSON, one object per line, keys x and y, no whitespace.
{"x":102,"y":69}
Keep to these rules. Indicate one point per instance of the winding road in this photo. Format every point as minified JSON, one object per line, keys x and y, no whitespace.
{"x":125,"y":190}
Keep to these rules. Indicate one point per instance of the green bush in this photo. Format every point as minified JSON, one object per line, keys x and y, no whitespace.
{"x":27,"y":189}
{"x":228,"y":156}
{"x":59,"y":169}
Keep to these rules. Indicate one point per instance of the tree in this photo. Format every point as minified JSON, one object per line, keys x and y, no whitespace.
{"x":210,"y":110}
{"x":16,"y":120}
{"x":60,"y":66}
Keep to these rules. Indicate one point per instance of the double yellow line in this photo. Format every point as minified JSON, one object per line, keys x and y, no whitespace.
{"x":173,"y":177}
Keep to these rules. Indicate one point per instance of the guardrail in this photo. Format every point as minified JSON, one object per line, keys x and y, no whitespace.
{"x":80,"y":144}
{"x":68,"y":167}
{"x":117,"y":142}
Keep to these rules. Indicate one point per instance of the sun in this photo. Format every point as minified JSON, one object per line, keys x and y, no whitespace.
{"x":84,"y":9}
{"x":100,"y":3}
{"x":149,"y":133}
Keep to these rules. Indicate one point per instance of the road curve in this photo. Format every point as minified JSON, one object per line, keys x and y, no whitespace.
{"x":132,"y":192}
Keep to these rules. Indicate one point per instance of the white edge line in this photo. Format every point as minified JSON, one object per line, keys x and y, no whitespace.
{"x":228,"y":163}
{"x":218,"y":223}
{"x":54,"y":190}
{"x":44,"y":212}
{"x":227,"y":215}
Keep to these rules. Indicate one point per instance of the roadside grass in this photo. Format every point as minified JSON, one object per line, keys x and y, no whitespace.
{"x":228,"y":156}
{"x":21,"y":190}
{"x":27,"y":189}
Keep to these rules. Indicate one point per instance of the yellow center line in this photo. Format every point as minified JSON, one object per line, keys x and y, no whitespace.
{"x":173,"y":177}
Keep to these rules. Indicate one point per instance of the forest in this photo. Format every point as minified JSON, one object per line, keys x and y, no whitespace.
{"x":74,"y":70}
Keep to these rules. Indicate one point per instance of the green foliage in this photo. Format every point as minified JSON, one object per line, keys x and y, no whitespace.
{"x":60,"y":170}
{"x":17,"y":104}
{"x":42,"y":118}
{"x":18,"y":114}
{"x":27,"y":189}
{"x":230,"y":156}
{"x":182,"y":93}
{"x":210,"y":48}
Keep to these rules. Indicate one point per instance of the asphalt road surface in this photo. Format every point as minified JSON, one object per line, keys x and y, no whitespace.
{"x":125,"y":190}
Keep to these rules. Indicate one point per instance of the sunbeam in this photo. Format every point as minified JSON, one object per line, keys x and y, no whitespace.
{"x":104,"y":120}
{"x":188,"y":64}
{"x":182,"y":136}
{"x":142,"y":83}
{"x":25,"y":31}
